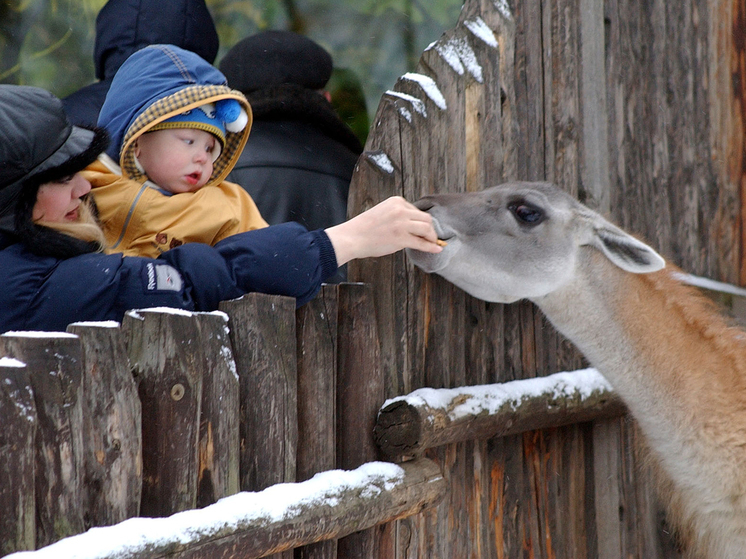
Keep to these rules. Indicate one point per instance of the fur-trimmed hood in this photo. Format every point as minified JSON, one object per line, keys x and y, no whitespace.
{"x":155,"y":84}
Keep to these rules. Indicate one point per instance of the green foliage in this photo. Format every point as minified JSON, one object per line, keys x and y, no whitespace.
{"x":49,"y":43}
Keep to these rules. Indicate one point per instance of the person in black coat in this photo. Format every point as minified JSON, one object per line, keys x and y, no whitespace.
{"x":299,"y":158}
{"x":53,"y":271}
{"x":126,"y":26}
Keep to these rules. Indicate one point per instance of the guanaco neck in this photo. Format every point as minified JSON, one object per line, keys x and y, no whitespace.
{"x":662,"y":345}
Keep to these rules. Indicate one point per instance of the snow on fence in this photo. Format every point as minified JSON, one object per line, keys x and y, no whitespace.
{"x":254,"y":524}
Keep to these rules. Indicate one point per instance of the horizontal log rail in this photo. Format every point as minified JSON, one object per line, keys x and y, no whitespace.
{"x":427,"y":418}
{"x":248,"y":525}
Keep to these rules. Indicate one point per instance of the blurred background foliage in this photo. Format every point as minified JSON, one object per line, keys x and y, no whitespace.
{"x":49,"y":43}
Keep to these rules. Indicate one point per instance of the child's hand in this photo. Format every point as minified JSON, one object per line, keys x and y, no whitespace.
{"x":388,"y":227}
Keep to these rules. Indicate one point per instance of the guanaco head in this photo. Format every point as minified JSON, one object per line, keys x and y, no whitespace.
{"x":521,"y":240}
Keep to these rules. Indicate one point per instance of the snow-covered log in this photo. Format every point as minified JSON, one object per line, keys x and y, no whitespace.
{"x":426,"y":418}
{"x":332,"y":504}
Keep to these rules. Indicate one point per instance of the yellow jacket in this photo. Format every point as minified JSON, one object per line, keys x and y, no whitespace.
{"x":140,"y":220}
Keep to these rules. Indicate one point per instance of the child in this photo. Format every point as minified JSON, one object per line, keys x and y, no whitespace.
{"x":177,"y":131}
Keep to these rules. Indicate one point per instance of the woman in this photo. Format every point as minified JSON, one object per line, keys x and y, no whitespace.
{"x":53,"y":271}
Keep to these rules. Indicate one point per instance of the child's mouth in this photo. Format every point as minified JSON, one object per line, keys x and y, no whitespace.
{"x":193,"y":178}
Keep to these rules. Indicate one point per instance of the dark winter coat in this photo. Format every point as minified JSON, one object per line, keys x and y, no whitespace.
{"x":299,"y":158}
{"x":125,"y":26}
{"x":46,"y":293}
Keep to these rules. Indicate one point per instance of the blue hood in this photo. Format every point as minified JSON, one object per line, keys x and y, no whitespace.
{"x":158,"y":82}
{"x":148,"y":75}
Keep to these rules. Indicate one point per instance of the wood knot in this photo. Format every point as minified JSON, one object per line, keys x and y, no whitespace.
{"x":177,"y":391}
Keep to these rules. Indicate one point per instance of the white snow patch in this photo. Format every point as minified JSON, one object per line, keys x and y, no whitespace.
{"x":480,"y":30}
{"x":491,"y":398}
{"x":227,"y":356}
{"x":34,"y":334}
{"x":458,"y":54}
{"x":503,"y":8}
{"x":417,"y":104}
{"x":97,"y":324}
{"x":430,"y":88}
{"x":165,"y":310}
{"x":276,"y":503}
{"x":382,"y":161}
{"x":10,"y":362}
{"x":706,"y":283}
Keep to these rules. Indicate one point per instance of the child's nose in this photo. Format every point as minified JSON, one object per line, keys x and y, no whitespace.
{"x":201,"y":156}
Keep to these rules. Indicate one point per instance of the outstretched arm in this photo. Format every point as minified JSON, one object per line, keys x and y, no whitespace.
{"x":388,"y":227}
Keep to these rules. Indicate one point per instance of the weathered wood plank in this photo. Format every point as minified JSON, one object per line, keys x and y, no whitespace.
{"x":17,"y":458}
{"x":219,"y":437}
{"x":316,"y":328}
{"x":54,"y":367}
{"x":164,"y":355}
{"x":265,"y":353}
{"x":264,"y":348}
{"x":113,"y":428}
{"x":360,"y":388}
{"x":724,"y":44}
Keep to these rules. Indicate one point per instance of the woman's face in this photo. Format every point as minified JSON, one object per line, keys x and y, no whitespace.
{"x":58,"y":202}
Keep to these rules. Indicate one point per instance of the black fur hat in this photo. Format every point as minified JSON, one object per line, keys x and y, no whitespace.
{"x":39,"y":145}
{"x":272,"y":58}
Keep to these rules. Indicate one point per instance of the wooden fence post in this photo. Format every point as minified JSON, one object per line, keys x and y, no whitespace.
{"x":18,"y":412}
{"x":316,"y":326}
{"x":262,"y":332}
{"x":360,"y":393}
{"x":163,"y":350}
{"x":54,"y":368}
{"x":219,"y":438}
{"x":113,"y":430}
{"x":264,"y":346}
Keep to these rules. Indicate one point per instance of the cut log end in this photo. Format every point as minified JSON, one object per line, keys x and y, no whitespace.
{"x":398,"y":430}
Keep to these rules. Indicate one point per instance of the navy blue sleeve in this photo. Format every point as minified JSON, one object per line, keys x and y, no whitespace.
{"x":282,"y":259}
{"x":279,"y":260}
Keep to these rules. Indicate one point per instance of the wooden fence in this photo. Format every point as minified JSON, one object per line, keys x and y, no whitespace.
{"x":172,"y":411}
{"x":175,"y":410}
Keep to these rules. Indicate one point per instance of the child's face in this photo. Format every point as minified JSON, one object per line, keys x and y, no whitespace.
{"x":179,"y":159}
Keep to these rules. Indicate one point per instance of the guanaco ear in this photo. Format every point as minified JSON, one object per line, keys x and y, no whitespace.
{"x":622,"y":248}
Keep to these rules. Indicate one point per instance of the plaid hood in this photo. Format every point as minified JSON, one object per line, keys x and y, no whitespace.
{"x":155,"y":84}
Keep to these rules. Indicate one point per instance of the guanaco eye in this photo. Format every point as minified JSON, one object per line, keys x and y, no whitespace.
{"x":526,"y":213}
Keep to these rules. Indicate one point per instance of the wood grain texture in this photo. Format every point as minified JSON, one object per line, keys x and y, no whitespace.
{"x":17,"y":460}
{"x":55,"y":376}
{"x":113,"y":427}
